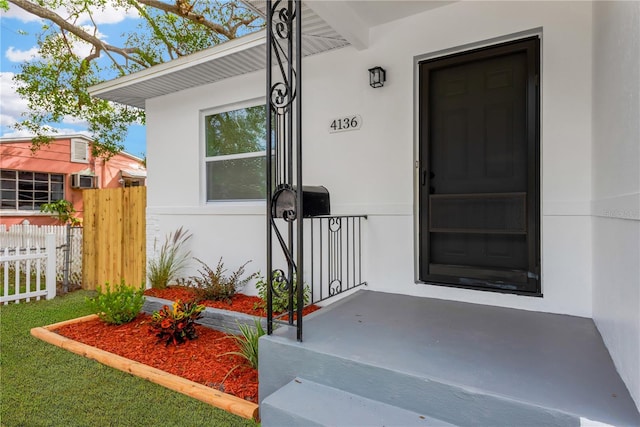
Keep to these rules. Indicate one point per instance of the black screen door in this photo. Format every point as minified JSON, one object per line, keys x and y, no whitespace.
{"x":479,"y":169}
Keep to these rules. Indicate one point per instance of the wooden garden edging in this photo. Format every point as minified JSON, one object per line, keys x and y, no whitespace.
{"x":224,"y":401}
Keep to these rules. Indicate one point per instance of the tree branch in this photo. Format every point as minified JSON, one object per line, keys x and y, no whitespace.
{"x":156,"y":29}
{"x":40,"y":11}
{"x":184,"y":9}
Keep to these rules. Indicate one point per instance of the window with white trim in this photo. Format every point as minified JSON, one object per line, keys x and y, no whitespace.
{"x":235,"y":150}
{"x":27,"y":191}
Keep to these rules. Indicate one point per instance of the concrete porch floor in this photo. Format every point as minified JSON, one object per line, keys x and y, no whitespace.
{"x":547,"y":360}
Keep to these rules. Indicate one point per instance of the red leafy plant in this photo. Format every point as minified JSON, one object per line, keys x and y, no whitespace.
{"x":177,"y":324}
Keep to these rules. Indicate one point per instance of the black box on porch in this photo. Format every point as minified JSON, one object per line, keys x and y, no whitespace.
{"x":315,"y":202}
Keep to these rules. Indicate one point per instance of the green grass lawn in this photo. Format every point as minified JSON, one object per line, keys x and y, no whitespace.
{"x":23,"y":281}
{"x":43,"y":385}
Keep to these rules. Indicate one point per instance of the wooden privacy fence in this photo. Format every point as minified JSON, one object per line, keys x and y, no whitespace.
{"x":114,"y":238}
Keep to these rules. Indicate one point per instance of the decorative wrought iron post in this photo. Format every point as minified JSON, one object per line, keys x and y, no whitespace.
{"x":284,"y":159}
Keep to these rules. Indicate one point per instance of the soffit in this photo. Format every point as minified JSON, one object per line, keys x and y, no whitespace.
{"x":326,"y":25}
{"x":233,"y":58}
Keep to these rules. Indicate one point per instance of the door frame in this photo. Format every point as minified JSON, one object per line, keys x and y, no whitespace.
{"x":535,"y":247}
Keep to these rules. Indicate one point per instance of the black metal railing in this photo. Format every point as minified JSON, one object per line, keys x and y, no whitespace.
{"x":334,"y":255}
{"x":327,"y":255}
{"x":333,"y":265}
{"x":284,"y":162}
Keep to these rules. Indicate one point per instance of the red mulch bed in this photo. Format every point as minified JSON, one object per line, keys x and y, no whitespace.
{"x":239,"y":302}
{"x":202,"y":360}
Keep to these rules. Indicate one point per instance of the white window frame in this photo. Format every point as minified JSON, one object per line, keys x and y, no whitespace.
{"x":208,"y":159}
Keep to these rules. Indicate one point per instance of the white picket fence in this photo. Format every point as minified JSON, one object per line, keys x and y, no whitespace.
{"x":26,"y":240}
{"x":17,"y":236}
{"x":29,"y":266}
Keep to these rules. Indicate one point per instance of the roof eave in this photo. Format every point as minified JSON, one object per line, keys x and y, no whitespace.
{"x":218,"y":51}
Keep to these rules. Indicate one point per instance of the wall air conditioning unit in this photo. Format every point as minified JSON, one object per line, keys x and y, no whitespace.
{"x":79,"y":180}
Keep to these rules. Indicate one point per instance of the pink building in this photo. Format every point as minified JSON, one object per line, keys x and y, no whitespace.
{"x":60,"y":170}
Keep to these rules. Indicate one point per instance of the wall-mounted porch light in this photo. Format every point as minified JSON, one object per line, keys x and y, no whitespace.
{"x":377,"y":77}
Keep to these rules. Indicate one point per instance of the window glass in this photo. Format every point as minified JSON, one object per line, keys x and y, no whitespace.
{"x":25,"y":185}
{"x":6,"y":184}
{"x":235,"y":154}
{"x":7,"y":194}
{"x":236,"y":179}
{"x":33,"y":189}
{"x":7,"y":174}
{"x":41,"y":196}
{"x":8,"y":204}
{"x":41,"y":186}
{"x":25,"y":175}
{"x":235,"y":132}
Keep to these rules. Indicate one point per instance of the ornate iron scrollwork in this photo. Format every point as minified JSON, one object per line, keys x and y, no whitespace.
{"x":279,"y":283}
{"x":284,"y":164}
{"x":335,"y":287}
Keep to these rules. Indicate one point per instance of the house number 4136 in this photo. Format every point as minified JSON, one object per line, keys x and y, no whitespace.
{"x":345,"y":123}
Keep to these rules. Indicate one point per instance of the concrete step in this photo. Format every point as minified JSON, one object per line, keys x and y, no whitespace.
{"x":284,"y":359}
{"x":423,"y":356}
{"x":306,"y":403}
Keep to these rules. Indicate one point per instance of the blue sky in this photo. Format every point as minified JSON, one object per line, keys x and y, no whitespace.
{"x":16,"y":47}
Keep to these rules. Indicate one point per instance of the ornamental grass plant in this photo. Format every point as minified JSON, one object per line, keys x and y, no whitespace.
{"x":248,"y":342}
{"x":171,"y":259}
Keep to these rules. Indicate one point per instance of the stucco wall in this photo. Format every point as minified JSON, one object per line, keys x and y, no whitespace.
{"x":616,"y":185}
{"x":56,"y":158}
{"x":371,"y":170}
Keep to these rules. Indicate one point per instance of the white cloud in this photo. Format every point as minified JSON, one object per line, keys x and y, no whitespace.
{"x":68,"y":120}
{"x":109,"y":15}
{"x":17,"y":55}
{"x":57,"y":132}
{"x":106,"y":15}
{"x":16,"y":134}
{"x":16,"y":13}
{"x":80,"y":48}
{"x":11,"y":105}
{"x":6,"y":120}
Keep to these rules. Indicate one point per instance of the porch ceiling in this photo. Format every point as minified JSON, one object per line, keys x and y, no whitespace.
{"x":326,"y":25}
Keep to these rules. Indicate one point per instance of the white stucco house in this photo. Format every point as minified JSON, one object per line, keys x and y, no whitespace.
{"x":572,"y":243}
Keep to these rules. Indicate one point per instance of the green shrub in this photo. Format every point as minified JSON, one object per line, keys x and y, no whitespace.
{"x":62,"y":210}
{"x":177,"y":324}
{"x":215,"y":285}
{"x":171,"y":260}
{"x":117,"y":306}
{"x":248,"y":343}
{"x":280,"y":298}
